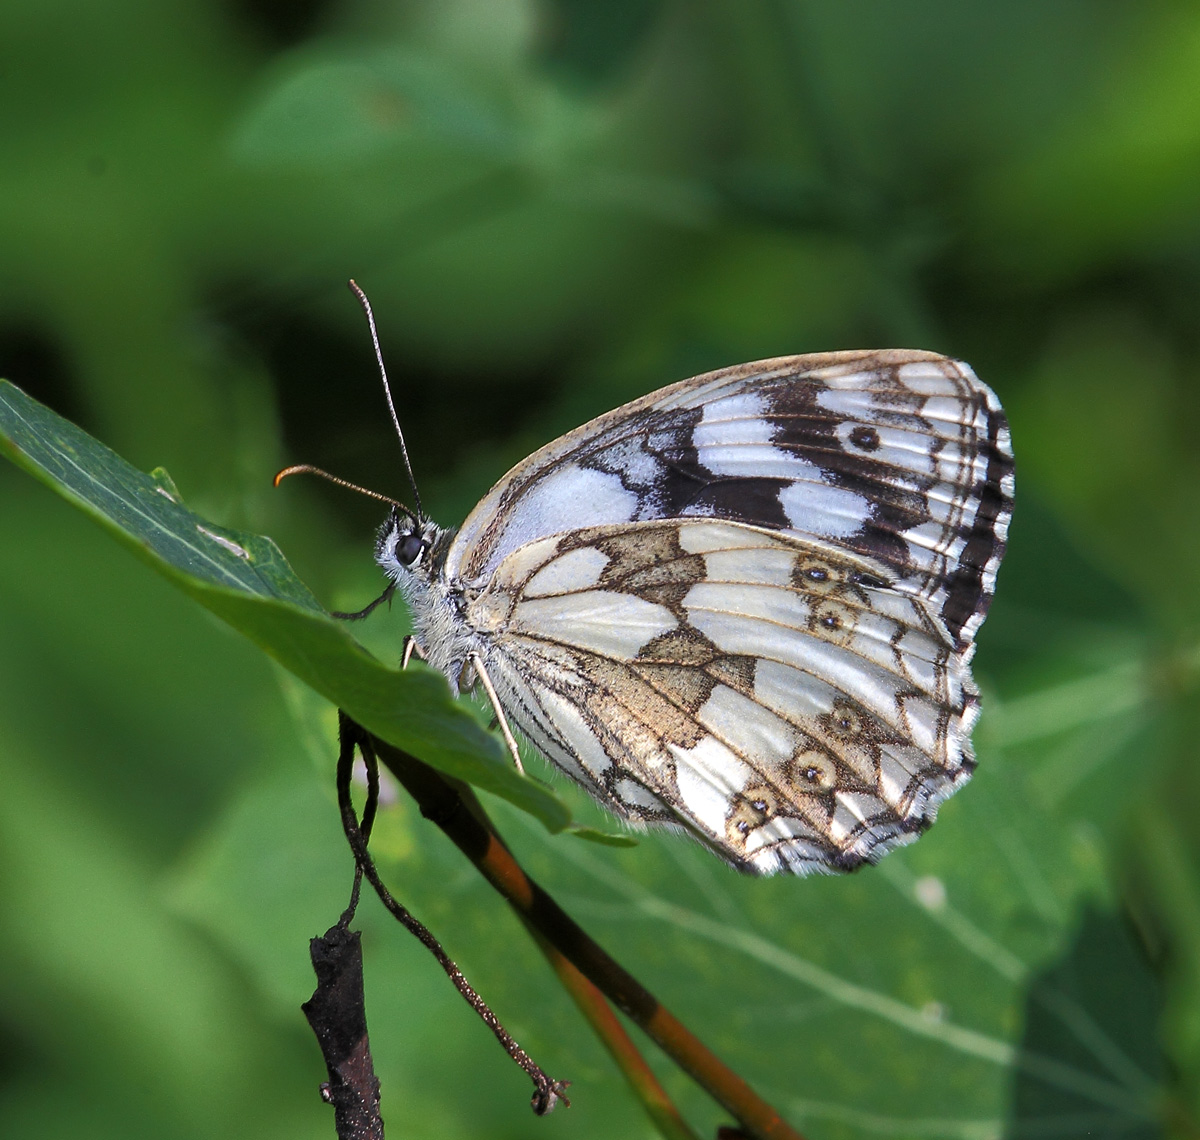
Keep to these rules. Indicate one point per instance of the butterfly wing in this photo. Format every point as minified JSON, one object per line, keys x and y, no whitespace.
{"x":746,"y":603}
{"x":901,"y":457}
{"x":777,"y":696}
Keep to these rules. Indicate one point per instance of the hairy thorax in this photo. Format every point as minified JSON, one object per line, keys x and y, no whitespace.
{"x":445,"y":640}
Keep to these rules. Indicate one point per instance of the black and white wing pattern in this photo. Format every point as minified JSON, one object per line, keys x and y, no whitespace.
{"x":746,"y":604}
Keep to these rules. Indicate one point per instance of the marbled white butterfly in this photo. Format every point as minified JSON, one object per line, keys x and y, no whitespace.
{"x":744,"y":605}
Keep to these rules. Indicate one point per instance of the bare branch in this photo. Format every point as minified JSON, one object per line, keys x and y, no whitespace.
{"x":337,"y":1014}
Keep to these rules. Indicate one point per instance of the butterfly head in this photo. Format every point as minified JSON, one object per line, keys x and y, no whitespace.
{"x":409,"y":546}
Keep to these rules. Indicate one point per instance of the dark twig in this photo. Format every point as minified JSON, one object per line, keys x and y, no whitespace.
{"x":346,"y":765}
{"x":337,"y":1014}
{"x":454,"y":808}
{"x":547,"y":1092}
{"x":337,"y":1009}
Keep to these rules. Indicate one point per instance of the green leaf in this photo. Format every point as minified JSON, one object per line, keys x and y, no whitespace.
{"x":359,"y":104}
{"x":245,"y":580}
{"x":607,"y":838}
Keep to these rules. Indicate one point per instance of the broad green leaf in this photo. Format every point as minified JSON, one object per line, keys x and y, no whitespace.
{"x":244,"y":579}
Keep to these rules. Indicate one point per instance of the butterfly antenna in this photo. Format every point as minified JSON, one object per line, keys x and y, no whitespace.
{"x":387,"y":390}
{"x":309,"y":469}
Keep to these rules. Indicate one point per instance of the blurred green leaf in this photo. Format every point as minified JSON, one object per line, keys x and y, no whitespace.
{"x":364,"y":103}
{"x":1119,"y":176}
{"x":1071,"y":1015}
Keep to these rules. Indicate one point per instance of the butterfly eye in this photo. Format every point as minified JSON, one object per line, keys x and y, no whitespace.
{"x":409,"y":548}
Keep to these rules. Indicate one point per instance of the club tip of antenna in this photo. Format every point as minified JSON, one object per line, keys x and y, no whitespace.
{"x":280,"y":476}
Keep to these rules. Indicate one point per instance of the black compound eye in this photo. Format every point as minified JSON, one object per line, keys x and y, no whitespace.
{"x":408,"y":548}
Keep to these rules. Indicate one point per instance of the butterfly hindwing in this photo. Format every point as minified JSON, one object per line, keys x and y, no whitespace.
{"x":776,"y":695}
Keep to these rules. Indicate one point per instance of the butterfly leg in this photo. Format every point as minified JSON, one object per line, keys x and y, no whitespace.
{"x":477,"y":664}
{"x":358,"y":615}
{"x":411,"y":648}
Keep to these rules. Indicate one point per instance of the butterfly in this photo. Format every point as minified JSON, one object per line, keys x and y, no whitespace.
{"x":744,"y":605}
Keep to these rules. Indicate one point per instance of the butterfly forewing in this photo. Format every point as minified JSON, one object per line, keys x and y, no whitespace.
{"x":900,"y":456}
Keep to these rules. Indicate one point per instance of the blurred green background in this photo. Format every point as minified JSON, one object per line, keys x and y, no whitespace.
{"x":557,"y":206}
